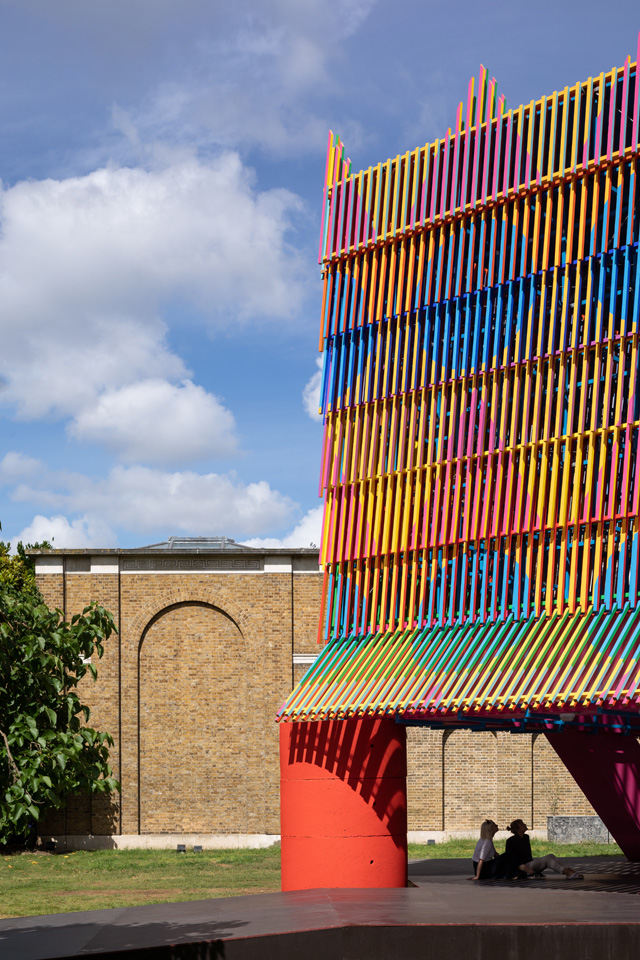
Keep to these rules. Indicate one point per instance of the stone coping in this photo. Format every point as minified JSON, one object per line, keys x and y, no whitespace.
{"x":137,"y":551}
{"x":165,"y":841}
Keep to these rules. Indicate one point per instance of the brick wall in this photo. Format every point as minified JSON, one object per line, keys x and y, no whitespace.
{"x":458,"y":778}
{"x":189,"y":689}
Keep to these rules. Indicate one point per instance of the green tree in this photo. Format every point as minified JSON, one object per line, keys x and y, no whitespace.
{"x":19,"y":569}
{"x":47,"y":751}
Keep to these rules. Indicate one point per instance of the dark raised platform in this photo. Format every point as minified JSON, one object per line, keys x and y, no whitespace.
{"x":444,"y":916}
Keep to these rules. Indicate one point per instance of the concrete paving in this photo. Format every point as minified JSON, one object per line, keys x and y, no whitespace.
{"x":445,"y":917}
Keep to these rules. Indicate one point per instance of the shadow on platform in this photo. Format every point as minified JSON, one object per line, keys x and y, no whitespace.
{"x":601,"y":875}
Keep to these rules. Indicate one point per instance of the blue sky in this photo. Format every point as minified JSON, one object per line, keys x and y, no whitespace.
{"x":162,"y":165}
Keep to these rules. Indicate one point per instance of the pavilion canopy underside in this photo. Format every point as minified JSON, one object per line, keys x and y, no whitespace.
{"x":558,"y":666}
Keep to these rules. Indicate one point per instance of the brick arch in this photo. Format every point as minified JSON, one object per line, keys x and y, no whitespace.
{"x":192,"y":676}
{"x":217,"y":598}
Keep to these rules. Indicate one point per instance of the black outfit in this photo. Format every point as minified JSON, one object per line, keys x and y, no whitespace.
{"x":517,"y":850}
{"x":488,"y":869}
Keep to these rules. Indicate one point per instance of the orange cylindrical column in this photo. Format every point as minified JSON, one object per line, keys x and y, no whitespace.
{"x":343,"y":803}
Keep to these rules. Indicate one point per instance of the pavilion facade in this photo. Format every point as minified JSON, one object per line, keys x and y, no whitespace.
{"x":481,"y":402}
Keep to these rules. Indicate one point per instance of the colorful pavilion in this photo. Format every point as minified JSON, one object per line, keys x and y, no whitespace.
{"x":481,"y":401}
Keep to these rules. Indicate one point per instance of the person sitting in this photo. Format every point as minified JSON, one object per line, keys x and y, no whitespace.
{"x":518,"y":854}
{"x":485,"y":855}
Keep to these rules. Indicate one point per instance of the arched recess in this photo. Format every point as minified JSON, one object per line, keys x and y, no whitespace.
{"x":470,"y":781}
{"x":555,"y":792}
{"x":215,"y":597}
{"x":192,"y":701}
{"x":425,"y":778}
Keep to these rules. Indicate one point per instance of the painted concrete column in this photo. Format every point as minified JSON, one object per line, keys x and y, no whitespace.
{"x":343,"y":803}
{"x":606,"y":767}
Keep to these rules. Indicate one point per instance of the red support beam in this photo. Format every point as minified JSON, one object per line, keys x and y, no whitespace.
{"x":343,"y":803}
{"x":606,"y":767}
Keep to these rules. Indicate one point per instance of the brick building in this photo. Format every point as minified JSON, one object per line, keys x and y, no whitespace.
{"x":211,"y":637}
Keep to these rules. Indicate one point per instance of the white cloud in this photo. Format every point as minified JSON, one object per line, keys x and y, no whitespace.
{"x":16,"y":466}
{"x":311,"y":393}
{"x":146,"y":500}
{"x":260,"y":78}
{"x":306,"y":534}
{"x":88,"y":265}
{"x":80,"y":533}
{"x":155,"y":422}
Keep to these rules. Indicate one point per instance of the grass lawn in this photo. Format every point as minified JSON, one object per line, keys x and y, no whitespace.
{"x":32,"y":884}
{"x":464,"y":848}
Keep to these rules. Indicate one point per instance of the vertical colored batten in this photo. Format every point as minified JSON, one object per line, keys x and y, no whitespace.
{"x":480,"y":386}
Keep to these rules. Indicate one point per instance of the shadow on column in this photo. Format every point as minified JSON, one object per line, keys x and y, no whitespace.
{"x":343,"y":804}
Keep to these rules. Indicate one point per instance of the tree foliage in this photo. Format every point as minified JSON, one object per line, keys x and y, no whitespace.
{"x":47,"y":751}
{"x":19,"y":569}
